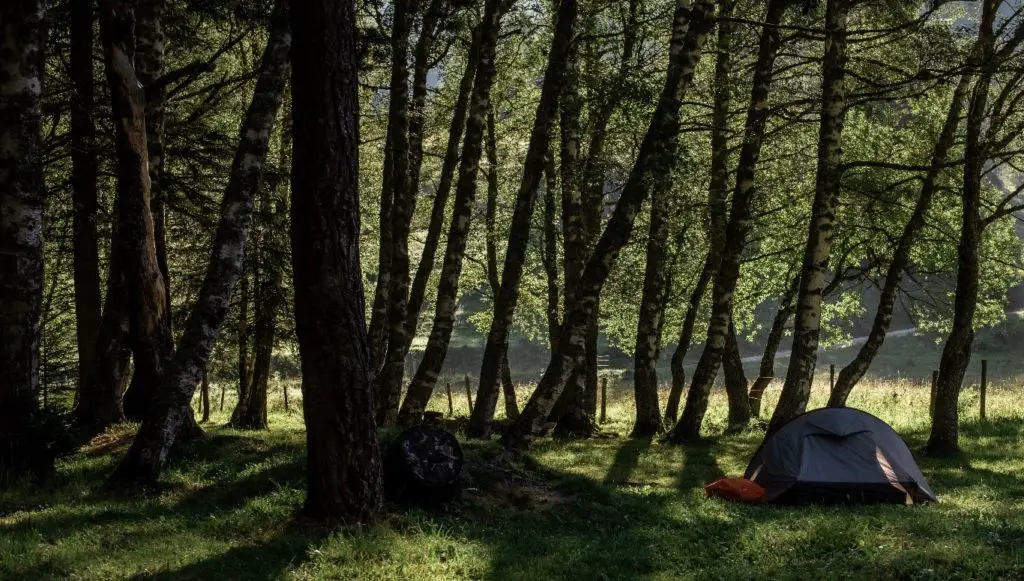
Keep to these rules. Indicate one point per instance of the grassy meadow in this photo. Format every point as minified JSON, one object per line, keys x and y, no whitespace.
{"x":606,"y":508}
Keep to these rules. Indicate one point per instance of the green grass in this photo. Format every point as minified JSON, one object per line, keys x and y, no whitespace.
{"x":607,"y":508}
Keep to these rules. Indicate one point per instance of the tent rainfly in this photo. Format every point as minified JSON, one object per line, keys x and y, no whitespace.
{"x":837,"y":455}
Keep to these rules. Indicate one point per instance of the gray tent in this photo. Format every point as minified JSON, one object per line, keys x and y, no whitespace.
{"x":837,"y":455}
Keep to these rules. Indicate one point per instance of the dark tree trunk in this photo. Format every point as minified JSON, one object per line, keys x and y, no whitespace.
{"x":389,"y":381}
{"x":149,"y":330}
{"x":686,"y":337}
{"x":766,"y":371}
{"x":956,"y":353}
{"x":378,"y":330}
{"x":244,"y":382}
{"x":727,"y":270}
{"x":813,"y":276}
{"x":652,"y":316}
{"x":570,"y":411}
{"x":507,"y":389}
{"x":251,"y":411}
{"x":21,"y":236}
{"x":519,"y":229}
{"x":205,"y":394}
{"x":417,"y":107}
{"x":100,"y":338}
{"x":592,"y":175}
{"x":444,"y":186}
{"x":84,"y":171}
{"x":718,"y":191}
{"x":173,"y":412}
{"x":690,"y":28}
{"x":735,"y":384}
{"x":550,"y":253}
{"x":343,"y":464}
{"x":423,"y":381}
{"x":652,"y":308}
{"x":99,"y":397}
{"x":855,"y":370}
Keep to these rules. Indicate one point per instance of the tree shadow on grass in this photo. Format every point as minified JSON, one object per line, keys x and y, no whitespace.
{"x":610,"y":532}
{"x":222,"y":488}
{"x":699,"y":465}
{"x":627,"y":457}
{"x":266,"y":559}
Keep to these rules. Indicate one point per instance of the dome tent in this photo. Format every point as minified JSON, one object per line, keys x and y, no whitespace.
{"x":837,"y":455}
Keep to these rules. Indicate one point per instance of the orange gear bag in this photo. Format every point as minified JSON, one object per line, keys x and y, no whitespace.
{"x":738,"y":489}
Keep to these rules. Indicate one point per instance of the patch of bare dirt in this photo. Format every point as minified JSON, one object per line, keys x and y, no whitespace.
{"x":108,"y":442}
{"x":494,"y":487}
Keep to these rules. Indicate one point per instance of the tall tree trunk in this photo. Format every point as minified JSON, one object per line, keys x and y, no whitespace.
{"x":244,"y":382}
{"x":652,"y":306}
{"x":593,"y":171}
{"x":718,"y":192}
{"x":421,"y":66}
{"x":495,"y":351}
{"x":686,"y":337}
{"x":652,"y":316}
{"x":389,"y":381}
{"x":735,"y":383}
{"x":378,"y":330}
{"x":205,"y":395}
{"x":444,"y":186}
{"x":150,"y":66}
{"x":149,"y":330}
{"x":159,"y":432}
{"x":550,"y":252}
{"x":507,"y":389}
{"x":570,"y":411}
{"x":84,"y":172}
{"x":956,"y":353}
{"x":344,"y":472}
{"x":690,"y":28}
{"x":813,"y":276}
{"x":21,"y":235}
{"x":855,"y":370}
{"x":99,"y":396}
{"x":766,"y":371}
{"x":102,"y":360}
{"x":251,"y":413}
{"x":425,"y":378}
{"x":727,"y":271}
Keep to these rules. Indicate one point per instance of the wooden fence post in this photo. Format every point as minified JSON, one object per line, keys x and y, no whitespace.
{"x":469,"y":397}
{"x":451,"y":408}
{"x":284,"y":388}
{"x":984,"y":385}
{"x":935,"y":386}
{"x":604,"y":399}
{"x":831,"y":378}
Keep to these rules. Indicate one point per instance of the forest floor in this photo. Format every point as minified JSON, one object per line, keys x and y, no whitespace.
{"x":606,"y":508}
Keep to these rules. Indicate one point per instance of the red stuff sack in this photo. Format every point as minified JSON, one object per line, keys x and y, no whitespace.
{"x":738,"y":489}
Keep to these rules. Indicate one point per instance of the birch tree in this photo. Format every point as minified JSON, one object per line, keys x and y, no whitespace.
{"x":814,"y":270}
{"x":21,"y":235}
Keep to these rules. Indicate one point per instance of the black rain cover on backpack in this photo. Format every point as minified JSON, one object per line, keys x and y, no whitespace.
{"x":837,"y":455}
